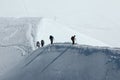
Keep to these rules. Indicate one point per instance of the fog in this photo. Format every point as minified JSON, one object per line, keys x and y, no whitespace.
{"x":96,"y":18}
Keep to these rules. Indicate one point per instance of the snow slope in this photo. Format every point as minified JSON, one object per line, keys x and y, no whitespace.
{"x":63,"y":33}
{"x":19,"y":35}
{"x":63,"y":61}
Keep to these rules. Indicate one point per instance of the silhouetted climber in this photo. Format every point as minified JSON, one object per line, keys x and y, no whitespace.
{"x":73,"y":39}
{"x":38,"y":44}
{"x":42,"y":43}
{"x":51,"y":39}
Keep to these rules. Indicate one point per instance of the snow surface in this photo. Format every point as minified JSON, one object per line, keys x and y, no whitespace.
{"x":63,"y":61}
{"x":63,"y":33}
{"x":19,"y":35}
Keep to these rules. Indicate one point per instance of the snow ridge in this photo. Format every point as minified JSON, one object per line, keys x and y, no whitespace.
{"x":64,"y":61}
{"x":18,"y":37}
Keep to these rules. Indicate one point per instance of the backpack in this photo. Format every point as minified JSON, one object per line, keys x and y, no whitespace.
{"x":51,"y":37}
{"x":38,"y":44}
{"x":72,"y":38}
{"x":42,"y":42}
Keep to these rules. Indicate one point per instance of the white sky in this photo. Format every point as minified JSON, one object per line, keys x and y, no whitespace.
{"x":97,"y":18}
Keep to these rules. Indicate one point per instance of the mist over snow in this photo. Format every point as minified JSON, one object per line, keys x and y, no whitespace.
{"x":97,"y":19}
{"x":96,"y":24}
{"x":63,"y":33}
{"x":18,"y":38}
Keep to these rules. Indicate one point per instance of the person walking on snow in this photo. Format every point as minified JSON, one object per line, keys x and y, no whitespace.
{"x":51,"y":39}
{"x":42,"y":43}
{"x":38,"y":44}
{"x":73,"y":39}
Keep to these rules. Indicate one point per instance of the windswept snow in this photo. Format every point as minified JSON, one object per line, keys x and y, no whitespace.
{"x":17,"y":38}
{"x":19,"y":35}
{"x":63,"y":61}
{"x":63,"y":33}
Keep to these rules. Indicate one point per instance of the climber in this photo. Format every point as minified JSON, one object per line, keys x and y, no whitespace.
{"x":73,"y":39}
{"x":38,"y":44}
{"x":51,"y":39}
{"x":42,"y":43}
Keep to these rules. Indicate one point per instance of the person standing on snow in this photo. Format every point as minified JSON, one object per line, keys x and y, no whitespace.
{"x":42,"y":43}
{"x":73,"y":39}
{"x":38,"y":44}
{"x":51,"y":39}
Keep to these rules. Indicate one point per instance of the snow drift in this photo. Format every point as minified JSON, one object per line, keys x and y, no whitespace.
{"x":68,"y":62}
